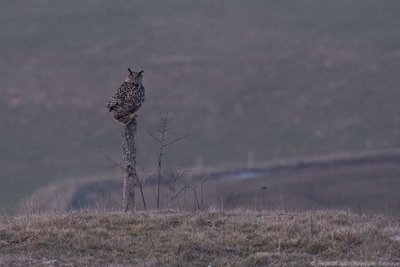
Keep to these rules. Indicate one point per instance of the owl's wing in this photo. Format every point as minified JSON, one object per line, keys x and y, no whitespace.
{"x":112,"y":103}
{"x":134,"y":99}
{"x":119,"y":97}
{"x":138,"y":95}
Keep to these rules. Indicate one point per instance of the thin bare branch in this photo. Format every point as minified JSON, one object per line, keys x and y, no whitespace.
{"x":176,"y":140}
{"x":180,"y":191}
{"x":203,"y":181}
{"x":195,"y":195}
{"x":114,"y":161}
{"x":227,"y":199}
{"x":155,"y":138}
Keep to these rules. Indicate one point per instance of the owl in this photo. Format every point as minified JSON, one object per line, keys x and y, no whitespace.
{"x":128,"y":98}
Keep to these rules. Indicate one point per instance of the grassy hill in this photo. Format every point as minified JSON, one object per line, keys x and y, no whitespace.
{"x":275,"y":79}
{"x":212,"y":238}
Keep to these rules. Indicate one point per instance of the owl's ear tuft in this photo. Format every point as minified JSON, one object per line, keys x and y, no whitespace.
{"x":141,"y":72}
{"x":130,"y":71}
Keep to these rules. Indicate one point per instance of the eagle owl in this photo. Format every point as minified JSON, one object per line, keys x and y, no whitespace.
{"x":128,"y":99}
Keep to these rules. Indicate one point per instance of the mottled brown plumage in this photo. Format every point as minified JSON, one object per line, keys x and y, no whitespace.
{"x":128,"y":99}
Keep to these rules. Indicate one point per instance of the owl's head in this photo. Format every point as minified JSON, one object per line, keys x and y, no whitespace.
{"x":133,"y":76}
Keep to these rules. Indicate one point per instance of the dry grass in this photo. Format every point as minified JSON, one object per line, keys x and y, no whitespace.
{"x":171,"y":238}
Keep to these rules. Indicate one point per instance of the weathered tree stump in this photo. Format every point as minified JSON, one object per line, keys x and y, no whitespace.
{"x":130,"y":175}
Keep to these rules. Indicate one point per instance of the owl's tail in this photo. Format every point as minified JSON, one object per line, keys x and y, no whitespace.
{"x":124,"y":119}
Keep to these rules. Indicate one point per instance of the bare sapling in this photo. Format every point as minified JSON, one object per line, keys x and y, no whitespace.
{"x":162,"y":139}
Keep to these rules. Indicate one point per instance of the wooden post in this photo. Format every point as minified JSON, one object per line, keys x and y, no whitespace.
{"x":129,"y":148}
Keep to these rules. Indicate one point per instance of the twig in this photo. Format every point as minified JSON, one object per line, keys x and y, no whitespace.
{"x":195,"y":195}
{"x":142,"y":184}
{"x":204,"y":180}
{"x":227,"y":199}
{"x":176,"y":140}
{"x":114,"y":161}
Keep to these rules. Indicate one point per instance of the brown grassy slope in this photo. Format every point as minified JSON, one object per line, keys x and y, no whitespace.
{"x":170,"y":238}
